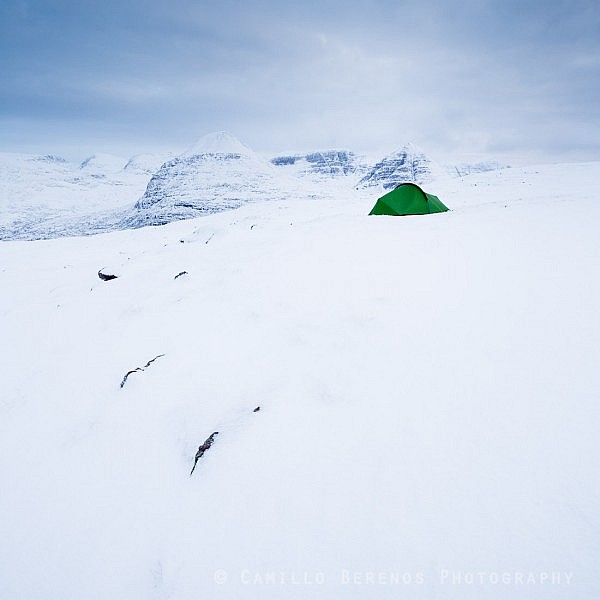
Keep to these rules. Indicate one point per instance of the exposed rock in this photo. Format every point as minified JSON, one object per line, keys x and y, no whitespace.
{"x":405,"y":165}
{"x":330,"y":163}
{"x":203,"y":448}
{"x":106,"y":276}
{"x":137,"y":369}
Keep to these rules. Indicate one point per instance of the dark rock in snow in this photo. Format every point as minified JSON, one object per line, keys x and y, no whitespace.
{"x":106,"y":276}
{"x":203,"y":448}
{"x":139,"y":369}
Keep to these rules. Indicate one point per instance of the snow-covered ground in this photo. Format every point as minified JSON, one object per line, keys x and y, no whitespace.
{"x":428,"y":390}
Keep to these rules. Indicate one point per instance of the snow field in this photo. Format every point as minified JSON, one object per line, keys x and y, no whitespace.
{"x":428,"y":390}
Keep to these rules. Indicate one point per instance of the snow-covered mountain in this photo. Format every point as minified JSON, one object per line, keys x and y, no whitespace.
{"x":46,"y":197}
{"x":403,"y":165}
{"x":407,"y":407}
{"x":220,"y":143}
{"x":217,"y":173}
{"x":320,"y":165}
{"x":147,"y":163}
{"x":103,"y":164}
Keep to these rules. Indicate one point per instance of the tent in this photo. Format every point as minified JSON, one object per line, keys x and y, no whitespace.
{"x":408,"y":199}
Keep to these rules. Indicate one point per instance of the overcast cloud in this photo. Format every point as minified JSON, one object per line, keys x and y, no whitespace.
{"x":503,"y":77}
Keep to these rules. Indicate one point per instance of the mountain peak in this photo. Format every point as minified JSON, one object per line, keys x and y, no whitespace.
{"x":408,"y":163}
{"x":219,"y":142}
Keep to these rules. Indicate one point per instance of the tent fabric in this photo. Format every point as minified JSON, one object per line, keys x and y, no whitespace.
{"x":408,"y":199}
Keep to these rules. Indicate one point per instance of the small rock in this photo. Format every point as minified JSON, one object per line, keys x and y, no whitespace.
{"x":203,"y":448}
{"x":106,"y":276}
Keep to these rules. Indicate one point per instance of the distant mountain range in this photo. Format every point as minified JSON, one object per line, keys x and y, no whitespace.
{"x":46,"y":197}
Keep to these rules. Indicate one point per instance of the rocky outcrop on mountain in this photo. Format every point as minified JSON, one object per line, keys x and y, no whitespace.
{"x":217,"y":173}
{"x":48,"y":158}
{"x":330,"y":163}
{"x":405,"y":165}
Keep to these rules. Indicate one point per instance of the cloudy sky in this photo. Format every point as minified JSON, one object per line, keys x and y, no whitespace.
{"x":501,"y":77}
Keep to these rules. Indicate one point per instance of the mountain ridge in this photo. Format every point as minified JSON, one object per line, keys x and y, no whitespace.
{"x":45,"y":196}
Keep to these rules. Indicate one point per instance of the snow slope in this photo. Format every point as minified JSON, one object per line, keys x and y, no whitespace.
{"x":147,"y":163}
{"x":428,"y":392}
{"x":469,"y":168}
{"x":46,"y":196}
{"x":217,"y":173}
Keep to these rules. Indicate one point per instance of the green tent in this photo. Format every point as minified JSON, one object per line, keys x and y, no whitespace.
{"x":408,"y":199}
